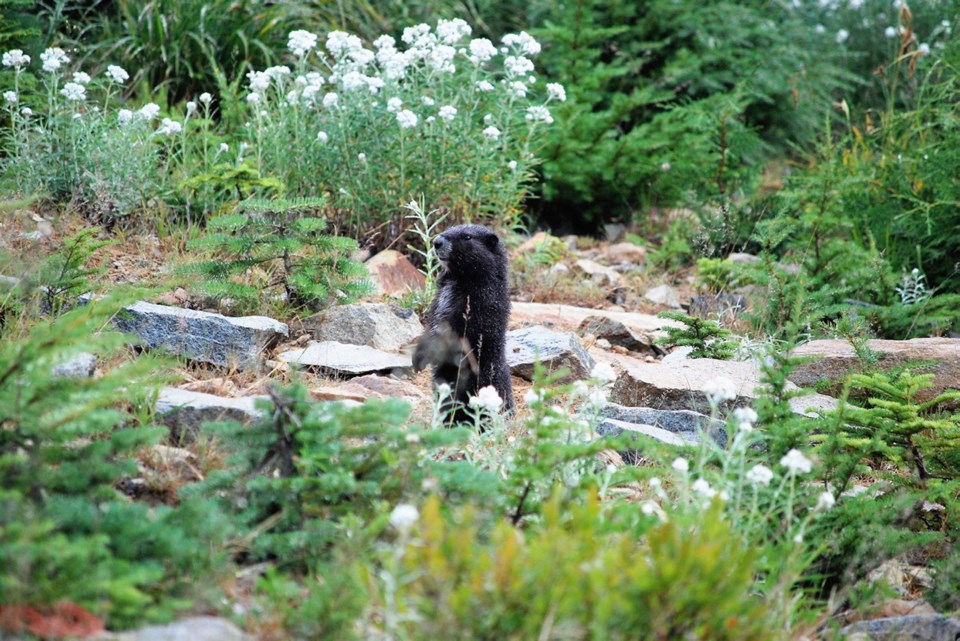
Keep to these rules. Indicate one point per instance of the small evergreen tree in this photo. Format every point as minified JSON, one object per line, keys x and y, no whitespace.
{"x":278,"y":244}
{"x":706,"y":337}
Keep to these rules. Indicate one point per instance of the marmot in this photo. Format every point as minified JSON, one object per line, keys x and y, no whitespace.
{"x":467,"y":320}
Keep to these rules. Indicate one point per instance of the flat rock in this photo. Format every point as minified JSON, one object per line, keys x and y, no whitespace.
{"x":600,"y":274}
{"x":371,"y":386}
{"x":192,"y":629}
{"x":202,"y":336}
{"x":917,"y":627}
{"x":663,"y":295}
{"x":554,"y":350}
{"x":617,"y":333}
{"x":838,"y":358}
{"x":687,"y":424}
{"x":185,"y":412}
{"x":570,"y":317}
{"x":81,"y":365}
{"x":378,"y":325}
{"x":681,"y":385}
{"x":625,"y":253}
{"x":346,"y":360}
{"x":393,"y":274}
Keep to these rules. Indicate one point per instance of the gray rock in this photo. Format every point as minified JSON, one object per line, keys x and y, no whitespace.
{"x":598,"y":273}
{"x":688,"y":424}
{"x":677,"y":354}
{"x":555,"y":350}
{"x":617,"y":333}
{"x":81,"y":365}
{"x":681,"y":385}
{"x":202,"y":336}
{"x":185,"y":412}
{"x":663,"y":295}
{"x":387,"y":327}
{"x":192,"y":629}
{"x":348,"y":360}
{"x":906,"y":628}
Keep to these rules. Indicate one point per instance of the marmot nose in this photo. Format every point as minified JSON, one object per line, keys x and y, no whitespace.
{"x":439,"y":242}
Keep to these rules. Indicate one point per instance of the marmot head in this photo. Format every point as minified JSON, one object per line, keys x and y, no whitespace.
{"x":470,"y":251}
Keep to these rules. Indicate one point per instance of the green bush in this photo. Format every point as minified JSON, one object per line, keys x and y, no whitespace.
{"x":66,"y":532}
{"x":278,"y":245}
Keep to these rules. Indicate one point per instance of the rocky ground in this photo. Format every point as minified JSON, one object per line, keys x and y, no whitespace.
{"x":596,"y":303}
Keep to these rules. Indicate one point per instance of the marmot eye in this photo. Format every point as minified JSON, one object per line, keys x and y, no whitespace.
{"x":467,"y":237}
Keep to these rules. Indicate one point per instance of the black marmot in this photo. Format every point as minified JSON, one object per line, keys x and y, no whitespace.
{"x":467,"y":320}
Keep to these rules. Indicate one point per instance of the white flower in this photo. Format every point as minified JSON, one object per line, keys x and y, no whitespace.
{"x":15,"y":58}
{"x":665,"y":166}
{"x":842,"y":36}
{"x":407,"y":119}
{"x":522,"y":41}
{"x":453,"y":31}
{"x":655,"y":483}
{"x":27,"y":111}
{"x":149,"y":111}
{"x":798,"y":538}
{"x":330,"y":99}
{"x":412,"y":438}
{"x":484,"y":86}
{"x":300,"y":42}
{"x":923,"y":49}
{"x":428,"y":101}
{"x":603,"y":372}
{"x":430,"y":120}
{"x":253,"y":98}
{"x":117,"y":74}
{"x":394,"y":104}
{"x":649,"y":508}
{"x":856,"y":4}
{"x":341,"y":43}
{"x":745,"y":415}
{"x":277,"y":71}
{"x":169,"y":127}
{"x":487,"y":119}
{"x":760,"y":474}
{"x":796,"y":462}
{"x":258,"y":80}
{"x":385,"y":42}
{"x":224,"y":148}
{"x":447,"y":112}
{"x":443,"y":390}
{"x":702,"y":487}
{"x":720,"y":389}
{"x":555,"y":91}
{"x":412,"y":35}
{"x":534,"y":395}
{"x":124,"y":116}
{"x":680,"y":465}
{"x":820,"y":29}
{"x":441,"y":58}
{"x":322,"y":136}
{"x":539,"y":114}
{"x":191,"y":107}
{"x":491,"y":133}
{"x":81,"y":78}
{"x":205,"y":98}
{"x":487,"y":398}
{"x":890,"y":32}
{"x":517,"y":65}
{"x":362,"y":157}
{"x":481,"y":50}
{"x":517,"y":89}
{"x":54,"y":58}
{"x":512,"y":165}
{"x":825,"y":501}
{"x":74,"y":91}
{"x":11,"y":97}
{"x":403,"y":517}
{"x":353,"y":81}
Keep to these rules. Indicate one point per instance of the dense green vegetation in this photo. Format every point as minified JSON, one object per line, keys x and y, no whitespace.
{"x":266,"y":141}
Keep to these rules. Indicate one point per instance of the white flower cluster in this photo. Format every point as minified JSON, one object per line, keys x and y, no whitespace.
{"x":487,"y":398}
{"x":74,"y":91}
{"x":301,"y":42}
{"x":15,"y":58}
{"x":117,"y":74}
{"x":54,"y":58}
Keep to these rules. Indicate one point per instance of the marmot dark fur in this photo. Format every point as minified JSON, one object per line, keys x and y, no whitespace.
{"x":467,"y":320}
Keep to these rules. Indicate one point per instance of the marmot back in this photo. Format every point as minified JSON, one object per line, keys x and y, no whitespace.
{"x":467,"y":321}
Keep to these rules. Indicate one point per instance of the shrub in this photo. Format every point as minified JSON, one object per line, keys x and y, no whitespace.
{"x":706,"y":337}
{"x":66,"y":533}
{"x":446,"y":120}
{"x":282,"y":245}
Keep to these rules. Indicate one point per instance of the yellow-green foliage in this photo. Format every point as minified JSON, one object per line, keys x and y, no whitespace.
{"x":575,"y":575}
